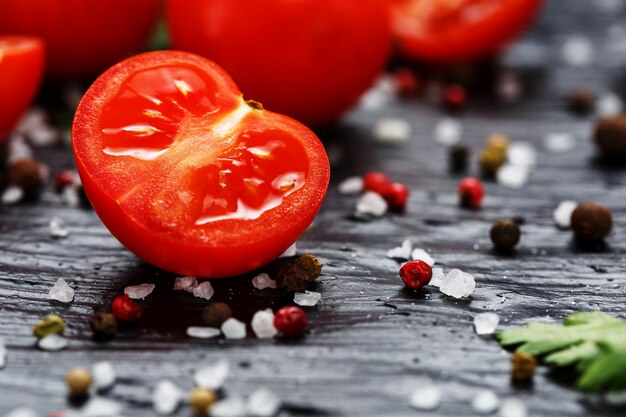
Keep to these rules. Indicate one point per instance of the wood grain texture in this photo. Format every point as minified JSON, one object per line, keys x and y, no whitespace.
{"x":371,"y":342}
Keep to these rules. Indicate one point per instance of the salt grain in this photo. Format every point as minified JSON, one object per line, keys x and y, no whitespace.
{"x":70,"y":197}
{"x":609,"y":104}
{"x":200,"y":332}
{"x":307,"y":298}
{"x":401,"y":252}
{"x":392,"y":131}
{"x":263,"y":324}
{"x":212,"y":376}
{"x":371,"y":203}
{"x":61,"y":291}
{"x":425,"y":398}
{"x":290,"y":251}
{"x":577,"y":51}
{"x":437,"y":278}
{"x":486,"y":323}
{"x":234,"y":406}
{"x":509,"y":87}
{"x":12,"y":195}
{"x":139,"y":292}
{"x":58,"y":228}
{"x":263,"y":403}
{"x":419,"y":254}
{"x":485,"y":402}
{"x":513,"y":176}
{"x":559,"y":142}
{"x":521,"y":153}
{"x":166,"y":398}
{"x":563,"y":213}
{"x":615,"y":398}
{"x":185,"y":284}
{"x":3,"y":354}
{"x":448,"y":132}
{"x":21,"y":412}
{"x":204,"y":290}
{"x":103,"y":375}
{"x":512,"y":407}
{"x":458,"y":284}
{"x":262,"y":281}
{"x":52,"y":343}
{"x":234,"y":329}
{"x":101,"y":407}
{"x":352,"y":185}
{"x":18,"y":149}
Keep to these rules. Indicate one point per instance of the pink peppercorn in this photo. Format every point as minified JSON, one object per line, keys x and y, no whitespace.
{"x":416,"y":274}
{"x":291,"y":321}
{"x":454,"y":97}
{"x":471,"y":192}
{"x":123,"y":308}
{"x":397,"y":195}
{"x":65,"y":178}
{"x":376,"y":182}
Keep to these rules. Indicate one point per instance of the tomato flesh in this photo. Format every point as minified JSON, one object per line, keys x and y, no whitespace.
{"x":21,"y":67}
{"x":210,"y":185}
{"x":455,"y":30}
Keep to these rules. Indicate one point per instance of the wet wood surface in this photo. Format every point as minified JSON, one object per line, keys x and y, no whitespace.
{"x":371,"y":342}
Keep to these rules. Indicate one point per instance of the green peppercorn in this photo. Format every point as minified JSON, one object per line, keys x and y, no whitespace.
{"x":610,"y":137}
{"x":103,"y":326}
{"x":201,"y":399}
{"x":51,"y":324}
{"x":215,"y":314}
{"x":505,"y":234}
{"x":490,"y":160}
{"x":78,"y":381}
{"x":497,"y":141}
{"x":311,"y":265}
{"x":523,"y":366}
{"x":591,"y":222}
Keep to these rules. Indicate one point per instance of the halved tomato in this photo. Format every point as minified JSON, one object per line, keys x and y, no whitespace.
{"x":457,"y":30}
{"x":21,"y":67}
{"x":188,"y":175}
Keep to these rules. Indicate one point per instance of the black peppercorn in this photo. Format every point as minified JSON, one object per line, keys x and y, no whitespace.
{"x":610,"y":137}
{"x":581,"y":101}
{"x":27,"y":174}
{"x":293,"y":278}
{"x":215,"y":314}
{"x":591,"y":222}
{"x":458,"y":157}
{"x":103,"y":326}
{"x":505,"y":234}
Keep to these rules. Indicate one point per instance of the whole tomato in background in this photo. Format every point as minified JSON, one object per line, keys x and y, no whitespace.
{"x":21,"y":68}
{"x":459,"y":30}
{"x":309,"y":59}
{"x":83,"y":37}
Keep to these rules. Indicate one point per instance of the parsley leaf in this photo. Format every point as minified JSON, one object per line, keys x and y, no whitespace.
{"x":594,"y":342}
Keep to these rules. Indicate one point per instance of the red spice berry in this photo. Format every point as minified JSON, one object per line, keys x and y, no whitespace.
{"x":124,"y":308}
{"x":406,"y":82}
{"x":397,"y":195}
{"x":65,"y":178}
{"x":416,"y":274}
{"x":376,"y":182}
{"x":290,"y":321}
{"x":454,"y":97}
{"x":471,"y":192}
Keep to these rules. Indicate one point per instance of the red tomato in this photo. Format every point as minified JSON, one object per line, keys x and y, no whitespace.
{"x":21,"y":66}
{"x":309,"y":59}
{"x":444,"y":30}
{"x":188,"y":175}
{"x":83,"y":37}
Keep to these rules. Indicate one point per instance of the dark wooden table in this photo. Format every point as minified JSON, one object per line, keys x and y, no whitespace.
{"x":371,"y":342}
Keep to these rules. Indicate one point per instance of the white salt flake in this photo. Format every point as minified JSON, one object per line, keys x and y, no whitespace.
{"x":185,"y":284}
{"x":18,"y":149}
{"x":577,"y":51}
{"x":139,"y":292}
{"x":70,"y":196}
{"x":263,"y":403}
{"x":290,"y":251}
{"x":512,"y":407}
{"x":52,"y":343}
{"x":204,"y":290}
{"x":401,"y":252}
{"x":101,"y":407}
{"x":380,"y":95}
{"x":425,"y":398}
{"x":486,"y":323}
{"x":448,"y":132}
{"x":263,"y":281}
{"x":3,"y":354}
{"x":62,"y":292}
{"x":12,"y":195}
{"x":234,"y":406}
{"x":166,"y":398}
{"x":558,"y":142}
{"x":307,"y":298}
{"x":485,"y":402}
{"x":392,"y":131}
{"x":458,"y":284}
{"x":419,"y":254}
{"x":509,"y":87}
{"x":521,"y":153}
{"x":58,"y":228}
{"x":615,"y":398}
{"x":200,"y":332}
{"x":263,"y":324}
{"x":352,"y":185}
{"x":103,"y":375}
{"x":21,"y":412}
{"x":437,"y":279}
{"x":563,"y":213}
{"x":212,"y":376}
{"x":234,"y":329}
{"x":371,"y":203}
{"x":609,"y":104}
{"x":513,"y":176}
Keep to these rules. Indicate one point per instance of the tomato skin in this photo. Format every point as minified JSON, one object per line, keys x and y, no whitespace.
{"x":228,"y":247}
{"x":83,"y":37}
{"x":21,"y":68}
{"x":462,"y":41}
{"x":308,"y":59}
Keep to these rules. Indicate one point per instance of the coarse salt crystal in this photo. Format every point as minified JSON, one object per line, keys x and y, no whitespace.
{"x":101,"y":407}
{"x":609,"y":104}
{"x":290,"y":251}
{"x":185,"y":283}
{"x":352,"y":185}
{"x":371,"y":203}
{"x":485,"y":402}
{"x":200,"y":332}
{"x":103,"y":375}
{"x":521,"y":153}
{"x":262,"y":281}
{"x":512,"y":407}
{"x":458,"y":284}
{"x":307,"y":298}
{"x":166,"y":398}
{"x":448,"y":132}
{"x":577,"y":51}
{"x":557,"y":142}
{"x":263,"y":324}
{"x":12,"y":195}
{"x":234,"y":406}
{"x":21,"y":412}
{"x":204,"y":290}
{"x":212,"y":376}
{"x":70,"y":196}
{"x":419,"y":254}
{"x":58,"y":228}
{"x":3,"y":354}
{"x":263,"y":403}
{"x":425,"y":398}
{"x":513,"y":176}
{"x":615,"y":398}
{"x":563,"y":213}
{"x":401,"y":252}
{"x":486,"y":323}
{"x":18,"y":149}
{"x":52,"y":343}
{"x":392,"y":131}
{"x":62,"y":292}
{"x":141,"y":291}
{"x":234,"y":329}
{"x":437,"y":278}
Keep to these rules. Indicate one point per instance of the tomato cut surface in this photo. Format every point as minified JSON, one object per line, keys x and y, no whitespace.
{"x":188,"y":175}
{"x":455,"y":30}
{"x":21,"y":67}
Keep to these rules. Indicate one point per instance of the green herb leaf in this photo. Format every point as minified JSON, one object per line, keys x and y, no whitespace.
{"x":594,"y":342}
